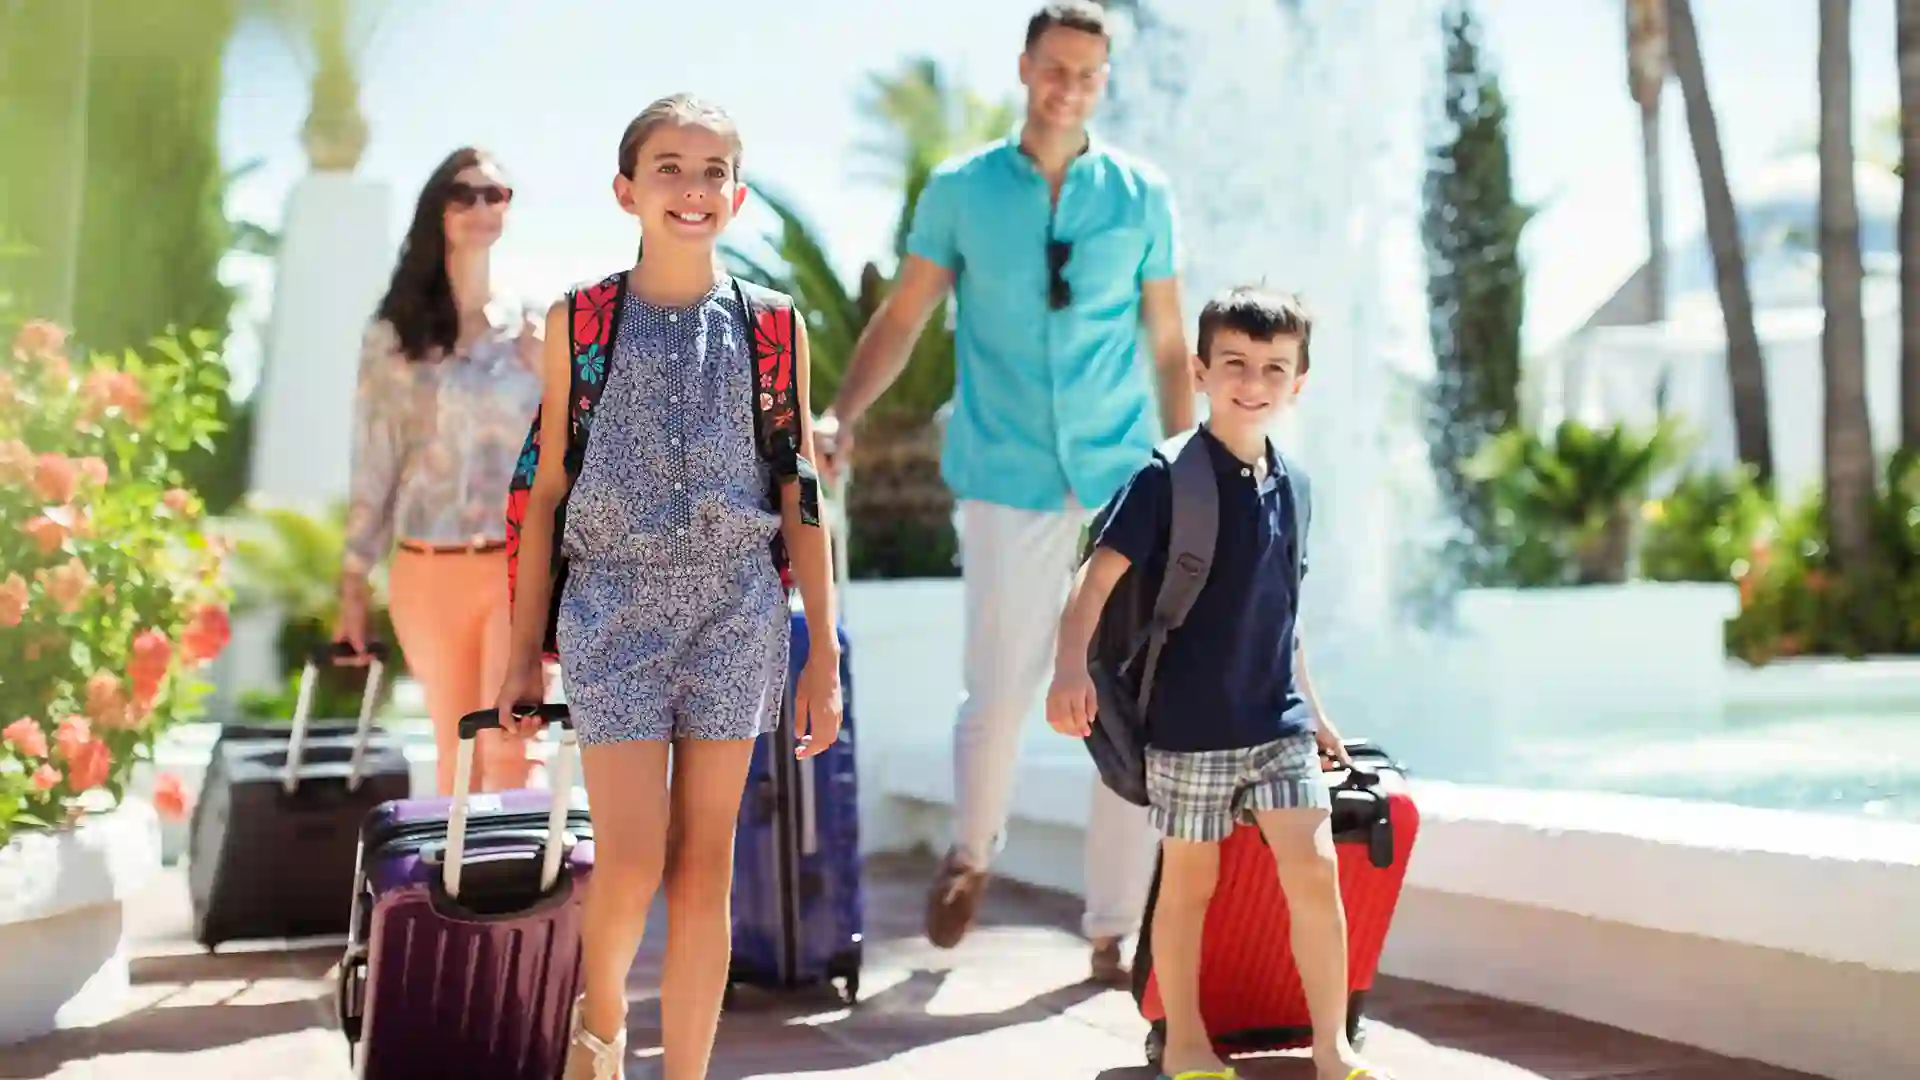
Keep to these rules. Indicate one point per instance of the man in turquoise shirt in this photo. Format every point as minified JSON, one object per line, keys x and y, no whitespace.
{"x":1059,"y":249}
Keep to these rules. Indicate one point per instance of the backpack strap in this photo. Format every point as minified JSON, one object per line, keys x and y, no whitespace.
{"x":1301,"y":490}
{"x":593,"y":325}
{"x":776,"y":393}
{"x":593,"y":317}
{"x":1192,"y":531}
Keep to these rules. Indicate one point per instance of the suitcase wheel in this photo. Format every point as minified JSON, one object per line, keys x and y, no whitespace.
{"x":850,"y":989}
{"x":846,"y":968}
{"x":1156,"y":1044}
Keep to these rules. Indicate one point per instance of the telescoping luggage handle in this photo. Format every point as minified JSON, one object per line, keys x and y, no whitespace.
{"x":560,"y":783}
{"x":329,"y":654}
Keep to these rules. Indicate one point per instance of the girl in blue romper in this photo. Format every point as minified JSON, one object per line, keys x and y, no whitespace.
{"x":673,"y":624}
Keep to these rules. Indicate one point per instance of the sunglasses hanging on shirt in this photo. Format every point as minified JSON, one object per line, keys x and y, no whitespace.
{"x":1059,"y":294}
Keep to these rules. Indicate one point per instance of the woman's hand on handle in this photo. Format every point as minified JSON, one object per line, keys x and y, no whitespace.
{"x":351,"y":625}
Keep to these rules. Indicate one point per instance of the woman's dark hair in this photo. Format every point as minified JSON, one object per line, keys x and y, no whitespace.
{"x":419,"y":300}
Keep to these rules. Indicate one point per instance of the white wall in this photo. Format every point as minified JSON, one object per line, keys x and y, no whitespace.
{"x":1612,"y":374}
{"x":1784,"y":937}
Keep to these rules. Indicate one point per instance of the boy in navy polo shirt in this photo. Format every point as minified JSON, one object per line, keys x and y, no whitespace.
{"x":1231,"y":732}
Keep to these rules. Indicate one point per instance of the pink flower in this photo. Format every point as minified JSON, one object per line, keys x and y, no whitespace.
{"x":25,"y":736}
{"x":206,"y":635}
{"x":89,"y":766}
{"x":69,"y":735}
{"x":46,"y":778}
{"x":178,"y":500}
{"x":152,"y":653}
{"x":169,"y":797}
{"x":47,"y":534}
{"x":93,"y":470}
{"x":67,"y":584}
{"x":54,"y":478}
{"x":39,"y":339}
{"x":13,"y":600}
{"x":7,"y":389}
{"x":16,"y":463}
{"x":106,"y":701}
{"x":106,"y":389}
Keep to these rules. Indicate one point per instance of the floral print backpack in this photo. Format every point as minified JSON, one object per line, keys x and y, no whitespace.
{"x":593,"y":327}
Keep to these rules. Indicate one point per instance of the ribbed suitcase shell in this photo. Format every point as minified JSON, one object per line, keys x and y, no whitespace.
{"x":1250,"y":992}
{"x":482,"y":987}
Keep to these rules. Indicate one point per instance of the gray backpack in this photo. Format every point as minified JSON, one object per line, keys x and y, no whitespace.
{"x":1145,"y":608}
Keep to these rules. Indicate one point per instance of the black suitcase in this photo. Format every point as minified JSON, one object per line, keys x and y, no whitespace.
{"x":273,"y":839}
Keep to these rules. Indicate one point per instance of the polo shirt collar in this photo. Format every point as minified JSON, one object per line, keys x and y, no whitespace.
{"x":1228,"y":465}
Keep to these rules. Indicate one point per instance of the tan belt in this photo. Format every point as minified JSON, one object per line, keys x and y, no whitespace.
{"x":476,"y":547}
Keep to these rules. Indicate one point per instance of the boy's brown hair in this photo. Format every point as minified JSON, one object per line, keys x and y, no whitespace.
{"x":1258,"y":312}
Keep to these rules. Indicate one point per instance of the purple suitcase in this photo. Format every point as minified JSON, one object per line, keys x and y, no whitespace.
{"x":463,"y":956}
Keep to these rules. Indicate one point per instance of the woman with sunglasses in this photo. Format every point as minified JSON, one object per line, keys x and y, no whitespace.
{"x":448,"y":382}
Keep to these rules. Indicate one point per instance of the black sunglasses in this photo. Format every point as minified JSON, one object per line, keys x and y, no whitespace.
{"x":465,"y":195}
{"x":1059,"y":295}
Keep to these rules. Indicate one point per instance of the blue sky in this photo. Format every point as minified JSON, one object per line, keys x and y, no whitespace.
{"x":548,"y":86}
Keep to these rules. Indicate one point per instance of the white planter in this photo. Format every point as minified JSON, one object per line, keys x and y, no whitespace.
{"x":63,"y":952}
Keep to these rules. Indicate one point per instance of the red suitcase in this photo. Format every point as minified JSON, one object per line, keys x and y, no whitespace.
{"x":1249,"y":991}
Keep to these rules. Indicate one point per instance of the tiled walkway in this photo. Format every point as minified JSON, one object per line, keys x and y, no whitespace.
{"x":1008,"y":1003}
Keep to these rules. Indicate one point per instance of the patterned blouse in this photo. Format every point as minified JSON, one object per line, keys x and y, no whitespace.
{"x":435,"y":442}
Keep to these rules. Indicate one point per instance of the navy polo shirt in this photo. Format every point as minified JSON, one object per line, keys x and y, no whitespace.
{"x":1226,"y":675}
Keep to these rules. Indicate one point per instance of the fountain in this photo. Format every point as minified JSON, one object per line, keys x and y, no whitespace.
{"x":1295,"y":151}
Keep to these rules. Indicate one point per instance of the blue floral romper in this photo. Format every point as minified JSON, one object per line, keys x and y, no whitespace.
{"x":673,"y":622}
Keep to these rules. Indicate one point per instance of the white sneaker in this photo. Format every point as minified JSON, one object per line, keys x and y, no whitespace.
{"x":591,"y":1058}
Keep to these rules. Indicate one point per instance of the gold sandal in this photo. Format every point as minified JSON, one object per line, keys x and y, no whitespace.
{"x":590,"y":1057}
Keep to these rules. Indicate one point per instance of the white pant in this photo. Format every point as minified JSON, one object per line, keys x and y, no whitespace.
{"x":1017,"y":567}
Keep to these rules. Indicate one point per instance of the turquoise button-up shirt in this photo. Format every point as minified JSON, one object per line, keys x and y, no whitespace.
{"x":1047,"y":404}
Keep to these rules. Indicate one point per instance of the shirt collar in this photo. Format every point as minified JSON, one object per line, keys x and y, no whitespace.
{"x":1229,"y":465}
{"x":1095,"y":148}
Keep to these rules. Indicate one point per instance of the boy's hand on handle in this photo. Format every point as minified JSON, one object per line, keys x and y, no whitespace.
{"x":1331,"y":745}
{"x":525,"y":685}
{"x":1071,"y":702}
{"x":817,"y":705}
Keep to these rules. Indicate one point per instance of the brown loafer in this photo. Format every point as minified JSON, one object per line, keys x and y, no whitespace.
{"x":953,"y":900}
{"x":1107,"y":967}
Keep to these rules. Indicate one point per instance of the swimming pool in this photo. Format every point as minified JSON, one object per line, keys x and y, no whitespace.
{"x":1857,"y":763}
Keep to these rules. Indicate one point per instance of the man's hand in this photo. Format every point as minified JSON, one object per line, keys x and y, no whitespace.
{"x":833,"y":441}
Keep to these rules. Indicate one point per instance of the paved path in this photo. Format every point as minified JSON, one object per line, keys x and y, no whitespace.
{"x":1008,"y":1003}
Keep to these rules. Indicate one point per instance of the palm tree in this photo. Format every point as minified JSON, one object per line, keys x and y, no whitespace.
{"x":1746,"y":373}
{"x":1849,"y":440}
{"x":1908,"y":21}
{"x":333,"y":35}
{"x":900,"y":508}
{"x":919,"y":119}
{"x":1647,"y":71}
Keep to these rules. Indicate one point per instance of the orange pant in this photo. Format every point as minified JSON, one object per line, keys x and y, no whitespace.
{"x":452,"y":616}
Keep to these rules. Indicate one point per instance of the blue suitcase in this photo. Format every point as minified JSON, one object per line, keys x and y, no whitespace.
{"x":797,"y":903}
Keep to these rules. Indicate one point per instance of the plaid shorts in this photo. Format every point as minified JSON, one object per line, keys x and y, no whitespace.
{"x":1199,"y":795}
